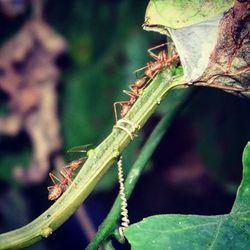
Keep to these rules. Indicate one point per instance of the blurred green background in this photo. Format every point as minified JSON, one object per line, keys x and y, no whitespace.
{"x":197,"y":166}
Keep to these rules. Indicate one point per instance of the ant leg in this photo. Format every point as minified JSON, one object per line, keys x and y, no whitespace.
{"x":130,"y":86}
{"x":151,"y":78}
{"x":53,"y":178}
{"x":122,"y":103}
{"x":64,"y":175}
{"x":131,"y":93}
{"x":115,"y":110}
{"x":156,"y":57}
{"x":140,"y":69}
{"x":50,"y":188}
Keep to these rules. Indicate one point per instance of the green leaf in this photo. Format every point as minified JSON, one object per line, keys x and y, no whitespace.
{"x":229,"y":231}
{"x":182,"y":13}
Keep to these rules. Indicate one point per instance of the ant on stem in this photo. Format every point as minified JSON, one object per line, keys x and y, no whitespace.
{"x":60,"y":185}
{"x":151,"y":69}
{"x":133,"y":93}
{"x":161,"y":60}
{"x":58,"y":188}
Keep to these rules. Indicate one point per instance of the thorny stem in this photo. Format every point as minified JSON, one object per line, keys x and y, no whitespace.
{"x":110,"y":223}
{"x":94,"y":168}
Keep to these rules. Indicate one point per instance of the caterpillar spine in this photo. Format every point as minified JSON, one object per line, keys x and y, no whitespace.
{"x":124,"y":211}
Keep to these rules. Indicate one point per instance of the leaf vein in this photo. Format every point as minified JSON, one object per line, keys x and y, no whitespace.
{"x":216,"y":234}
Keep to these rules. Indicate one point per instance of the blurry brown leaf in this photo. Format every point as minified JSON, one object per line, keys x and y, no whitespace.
{"x":229,"y":66}
{"x":28,"y":75}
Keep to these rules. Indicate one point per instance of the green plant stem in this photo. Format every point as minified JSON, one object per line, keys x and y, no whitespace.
{"x":94,"y":168}
{"x":111,"y":221}
{"x":108,"y":245}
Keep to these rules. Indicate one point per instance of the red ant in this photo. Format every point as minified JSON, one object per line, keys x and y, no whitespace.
{"x":133,"y":93}
{"x":161,"y":60}
{"x":151,"y":70}
{"x":57,"y":189}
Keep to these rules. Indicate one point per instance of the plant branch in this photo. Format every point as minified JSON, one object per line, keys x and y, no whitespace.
{"x":94,"y":168}
{"x":111,"y":221}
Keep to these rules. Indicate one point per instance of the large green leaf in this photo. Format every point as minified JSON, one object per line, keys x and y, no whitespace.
{"x":182,"y":13}
{"x":229,"y":231}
